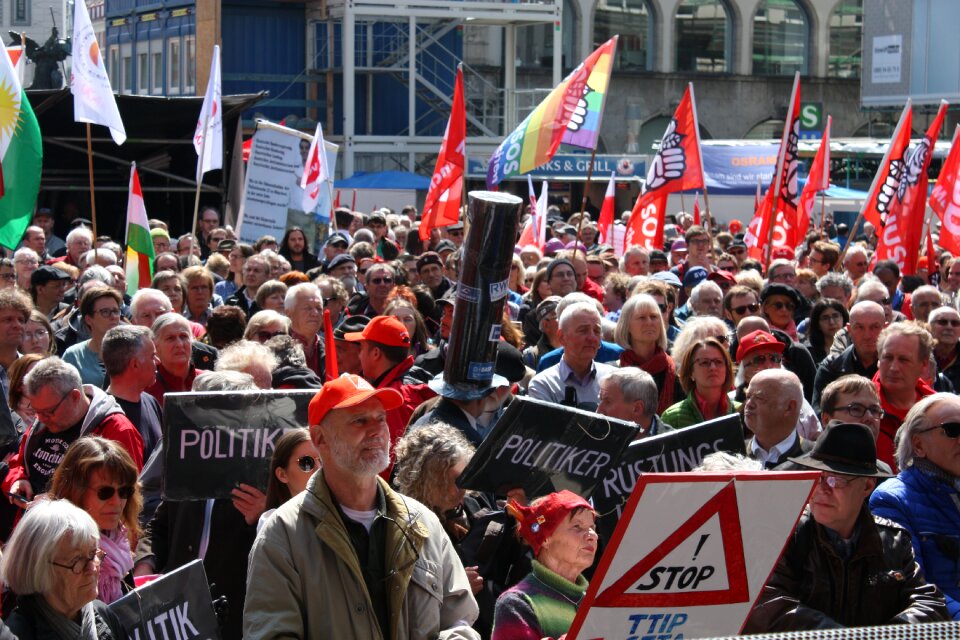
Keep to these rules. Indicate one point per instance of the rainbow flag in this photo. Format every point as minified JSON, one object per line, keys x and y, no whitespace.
{"x":139,"y":243}
{"x":538,"y":137}
{"x":583,"y":130}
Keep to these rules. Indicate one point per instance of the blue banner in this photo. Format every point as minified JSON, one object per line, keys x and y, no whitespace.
{"x":735,"y":170}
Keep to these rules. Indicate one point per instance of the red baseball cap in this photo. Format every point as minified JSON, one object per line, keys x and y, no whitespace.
{"x":720,"y":274}
{"x":383,"y":329}
{"x":347,"y":391}
{"x":756,"y":341}
{"x":735,"y":226}
{"x":782,"y":252}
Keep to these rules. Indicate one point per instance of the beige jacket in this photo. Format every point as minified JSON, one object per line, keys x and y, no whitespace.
{"x":304,"y":579}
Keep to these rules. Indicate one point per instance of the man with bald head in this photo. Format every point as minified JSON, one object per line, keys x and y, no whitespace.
{"x":774,"y":399}
{"x":867,"y":320}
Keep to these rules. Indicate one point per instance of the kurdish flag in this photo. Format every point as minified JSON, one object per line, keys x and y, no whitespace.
{"x":21,"y":156}
{"x":538,"y":137}
{"x":139,"y":242}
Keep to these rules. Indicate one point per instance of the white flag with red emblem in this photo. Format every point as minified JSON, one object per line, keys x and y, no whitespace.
{"x":315,"y":172}
{"x":93,"y":99}
{"x":208,"y":139}
{"x":607,"y":213}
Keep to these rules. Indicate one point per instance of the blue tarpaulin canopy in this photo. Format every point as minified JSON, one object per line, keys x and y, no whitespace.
{"x":384,"y":180}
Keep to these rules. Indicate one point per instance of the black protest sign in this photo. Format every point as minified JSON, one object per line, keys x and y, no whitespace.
{"x":544,"y":447}
{"x":176,"y":605}
{"x":214,"y":440}
{"x":670,"y":452}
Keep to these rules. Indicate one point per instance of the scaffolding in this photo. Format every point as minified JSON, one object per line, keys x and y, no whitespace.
{"x":408,"y":44}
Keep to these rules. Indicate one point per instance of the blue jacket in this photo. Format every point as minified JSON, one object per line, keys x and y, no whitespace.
{"x":929,"y":509}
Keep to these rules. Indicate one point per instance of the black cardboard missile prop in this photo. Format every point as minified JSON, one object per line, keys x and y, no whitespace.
{"x":673,"y":451}
{"x":544,"y":447}
{"x":215,"y":440}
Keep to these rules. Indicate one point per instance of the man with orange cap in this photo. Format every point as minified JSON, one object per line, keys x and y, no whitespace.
{"x":385,"y":358}
{"x":350,"y":557}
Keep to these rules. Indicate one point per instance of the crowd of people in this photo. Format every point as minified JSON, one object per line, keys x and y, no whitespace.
{"x":835,"y":362}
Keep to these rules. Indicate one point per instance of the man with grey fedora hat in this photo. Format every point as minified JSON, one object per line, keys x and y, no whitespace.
{"x":843,"y":566}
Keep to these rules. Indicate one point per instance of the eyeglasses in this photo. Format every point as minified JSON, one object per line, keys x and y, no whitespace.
{"x":80,"y":564}
{"x":455,"y":232}
{"x":108,"y":313}
{"x":835,"y":482}
{"x":39,"y":334}
{"x":700,"y":241}
{"x":722,"y":338}
{"x":662,"y":306}
{"x":950,"y":429}
{"x":386,"y":280}
{"x":709,"y":363}
{"x":943,"y":322}
{"x":106,"y":492}
{"x":858,"y":410}
{"x":49,"y":412}
{"x":836,"y":317}
{"x":307,"y":463}
{"x":263,"y":336}
{"x":753,"y":307}
{"x":779,"y":306}
{"x":772,"y":358}
{"x":396,"y":554}
{"x":8,"y":276}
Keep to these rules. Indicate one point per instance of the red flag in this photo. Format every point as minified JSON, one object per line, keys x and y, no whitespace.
{"x":529,"y":234}
{"x":676,"y":167}
{"x":330,"y":347}
{"x":883,"y":191}
{"x":945,"y":199}
{"x":605,"y":221}
{"x":753,"y":237}
{"x":931,"y":250}
{"x":442,"y":206}
{"x":696,"y":209}
{"x":900,"y":240}
{"x":817,"y":180}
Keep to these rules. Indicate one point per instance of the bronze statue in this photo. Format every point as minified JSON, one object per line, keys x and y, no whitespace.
{"x":47,"y":75}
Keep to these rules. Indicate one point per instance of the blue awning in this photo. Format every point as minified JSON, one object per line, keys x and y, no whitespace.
{"x":395,"y":180}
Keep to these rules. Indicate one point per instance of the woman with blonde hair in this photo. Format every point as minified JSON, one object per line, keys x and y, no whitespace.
{"x":99,"y":476}
{"x":642,"y":334}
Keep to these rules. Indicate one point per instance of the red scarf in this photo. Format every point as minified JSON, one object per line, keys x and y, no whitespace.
{"x":658,"y":363}
{"x":724,"y":406}
{"x":893,"y":419}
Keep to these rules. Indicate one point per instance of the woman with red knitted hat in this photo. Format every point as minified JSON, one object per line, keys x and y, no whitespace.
{"x":561,"y":529}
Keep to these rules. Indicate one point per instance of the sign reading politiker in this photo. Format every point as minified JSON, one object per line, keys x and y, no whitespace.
{"x":176,"y":605}
{"x":216,"y":440}
{"x":670,"y":452}
{"x":543,"y":447}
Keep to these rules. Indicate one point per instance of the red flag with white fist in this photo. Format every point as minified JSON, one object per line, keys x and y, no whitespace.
{"x":676,"y":167}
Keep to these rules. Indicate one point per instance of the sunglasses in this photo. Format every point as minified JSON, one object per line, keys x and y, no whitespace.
{"x":307,"y":463}
{"x":789,"y":306}
{"x":662,"y":306}
{"x":950,"y":429}
{"x":943,"y":322}
{"x":381,"y":281}
{"x":772,"y":358}
{"x":835,"y":482}
{"x":753,"y":307}
{"x":263,"y":336}
{"x":106,"y":493}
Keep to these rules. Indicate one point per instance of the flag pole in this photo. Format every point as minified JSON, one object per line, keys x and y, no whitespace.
{"x":196,"y":197}
{"x":823,"y":211}
{"x":583,"y":202}
{"x":703,"y":174}
{"x":93,"y":200}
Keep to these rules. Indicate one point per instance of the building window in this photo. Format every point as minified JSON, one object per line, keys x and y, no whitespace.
{"x":143,"y":73}
{"x":781,"y":37}
{"x":156,"y":83}
{"x":173,"y":65}
{"x":632,"y":20}
{"x":126,"y":66}
{"x":535,"y":42}
{"x":20,"y":13}
{"x":113,"y":67}
{"x":771,"y":129}
{"x":703,"y":34}
{"x":846,"y":39}
{"x":189,"y":64}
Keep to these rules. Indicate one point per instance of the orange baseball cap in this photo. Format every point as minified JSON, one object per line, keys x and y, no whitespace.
{"x":757,"y":340}
{"x":383,"y":329}
{"x":347,"y":391}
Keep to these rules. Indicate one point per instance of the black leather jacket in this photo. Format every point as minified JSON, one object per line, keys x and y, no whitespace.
{"x":812,"y":587}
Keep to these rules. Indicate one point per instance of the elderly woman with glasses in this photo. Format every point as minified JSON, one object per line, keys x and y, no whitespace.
{"x":99,"y":476}
{"x":706,"y":375}
{"x":264,"y":325}
{"x":642,"y":334}
{"x":924,"y":498}
{"x":100,"y":310}
{"x":945,"y":327}
{"x":53,"y":562}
